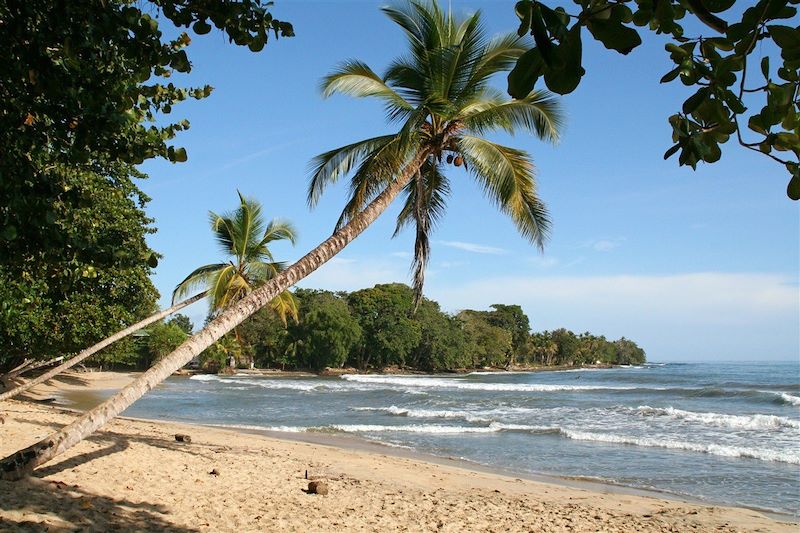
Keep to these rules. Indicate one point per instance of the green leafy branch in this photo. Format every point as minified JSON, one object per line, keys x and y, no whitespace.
{"x":717,"y":66}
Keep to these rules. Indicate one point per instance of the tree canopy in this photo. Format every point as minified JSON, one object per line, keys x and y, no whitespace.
{"x":739,"y":89}
{"x":374,"y":329}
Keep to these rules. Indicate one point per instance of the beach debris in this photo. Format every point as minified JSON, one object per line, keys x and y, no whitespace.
{"x":214,"y":472}
{"x":318,"y":487}
{"x":180,"y":437}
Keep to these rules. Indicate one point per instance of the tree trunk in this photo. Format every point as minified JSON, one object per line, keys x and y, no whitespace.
{"x":24,"y":461}
{"x":99,"y":346}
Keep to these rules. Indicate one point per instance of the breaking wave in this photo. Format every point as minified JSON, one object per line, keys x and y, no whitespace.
{"x":713,"y":449}
{"x":756,"y":421}
{"x":440,"y":383}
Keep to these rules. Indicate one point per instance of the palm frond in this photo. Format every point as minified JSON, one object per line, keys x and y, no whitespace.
{"x":355,"y":78}
{"x":286,"y":305}
{"x":259,"y":272}
{"x":278,"y":230}
{"x":224,"y":232}
{"x":199,"y":278}
{"x":506,"y":175}
{"x":538,"y":112}
{"x":221,"y":289}
{"x":248,"y":225}
{"x":327,"y":168}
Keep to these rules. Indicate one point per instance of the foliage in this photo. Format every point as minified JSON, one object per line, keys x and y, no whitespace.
{"x":716,"y":67}
{"x":326,"y":331}
{"x":162,"y":338}
{"x":215,"y":357}
{"x":85,"y":87}
{"x":487,"y":344}
{"x":246,"y":236}
{"x":442,"y":344}
{"x":264,"y":336}
{"x":67,"y":287}
{"x":514,"y":320}
{"x":389,"y":334}
{"x":440,"y":93}
{"x":183,"y":322}
{"x":377,"y":328}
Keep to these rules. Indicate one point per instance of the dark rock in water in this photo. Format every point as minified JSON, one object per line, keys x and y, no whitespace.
{"x":183,"y":438}
{"x":214,"y":472}
{"x":318,"y":487}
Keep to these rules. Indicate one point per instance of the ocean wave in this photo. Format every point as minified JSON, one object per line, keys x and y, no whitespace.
{"x":205,"y":377}
{"x":426,"y":413}
{"x":756,"y":421}
{"x":440,"y":383}
{"x":787,"y":398}
{"x":283,"y":429}
{"x":713,"y":449}
{"x":494,"y":427}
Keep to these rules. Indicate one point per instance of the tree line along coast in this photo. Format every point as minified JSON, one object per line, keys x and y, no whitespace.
{"x":374,"y":329}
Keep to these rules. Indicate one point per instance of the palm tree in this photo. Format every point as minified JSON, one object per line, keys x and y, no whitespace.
{"x":91,"y":350}
{"x":441,"y":94}
{"x":243,"y":235}
{"x":441,"y":91}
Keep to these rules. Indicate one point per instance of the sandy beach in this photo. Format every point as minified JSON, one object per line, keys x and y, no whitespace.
{"x":134,"y":476}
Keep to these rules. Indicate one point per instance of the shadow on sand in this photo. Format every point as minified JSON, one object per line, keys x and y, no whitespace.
{"x":36,"y":504}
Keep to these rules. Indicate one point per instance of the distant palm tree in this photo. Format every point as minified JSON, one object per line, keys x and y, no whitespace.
{"x":441,"y":90}
{"x":243,"y":235}
{"x":441,"y":93}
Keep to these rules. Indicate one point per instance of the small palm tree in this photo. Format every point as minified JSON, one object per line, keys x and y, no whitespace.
{"x":243,"y":235}
{"x":441,"y":91}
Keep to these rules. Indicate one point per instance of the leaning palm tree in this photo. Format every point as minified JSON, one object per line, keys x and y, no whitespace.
{"x":91,"y":350}
{"x":243,"y":235}
{"x":440,"y":93}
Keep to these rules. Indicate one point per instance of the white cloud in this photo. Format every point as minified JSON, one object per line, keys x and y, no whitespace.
{"x":349,"y":275}
{"x":473,"y":247}
{"x":604,"y":245}
{"x":544,"y":261}
{"x":401,"y":255}
{"x":687,"y":316}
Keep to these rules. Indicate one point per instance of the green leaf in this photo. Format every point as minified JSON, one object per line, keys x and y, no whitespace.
{"x":671,"y":75}
{"x":793,"y":189}
{"x":614,"y":35}
{"x":201,"y":27}
{"x":152,"y":261}
{"x":180,"y":155}
{"x":565,"y":79}
{"x":669,"y":153}
{"x":522,"y":79}
{"x":765,"y":67}
{"x":694,"y":101}
{"x":524,"y":10}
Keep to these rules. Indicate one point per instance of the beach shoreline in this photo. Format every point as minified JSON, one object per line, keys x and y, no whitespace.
{"x":356,"y":460}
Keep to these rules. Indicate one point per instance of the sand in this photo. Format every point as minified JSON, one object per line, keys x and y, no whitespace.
{"x":134,"y":476}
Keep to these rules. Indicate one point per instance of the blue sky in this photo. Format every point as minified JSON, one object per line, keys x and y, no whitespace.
{"x":694,"y":265}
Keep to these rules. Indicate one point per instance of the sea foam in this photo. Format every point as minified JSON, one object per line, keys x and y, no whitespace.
{"x":460,"y":384}
{"x":714,"y":449}
{"x":756,"y":421}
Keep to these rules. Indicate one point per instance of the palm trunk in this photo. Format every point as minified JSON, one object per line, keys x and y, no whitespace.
{"x":24,"y":461}
{"x":28,"y":366}
{"x":99,"y":346}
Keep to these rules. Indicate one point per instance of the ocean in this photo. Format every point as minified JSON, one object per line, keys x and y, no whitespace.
{"x":725,"y":433}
